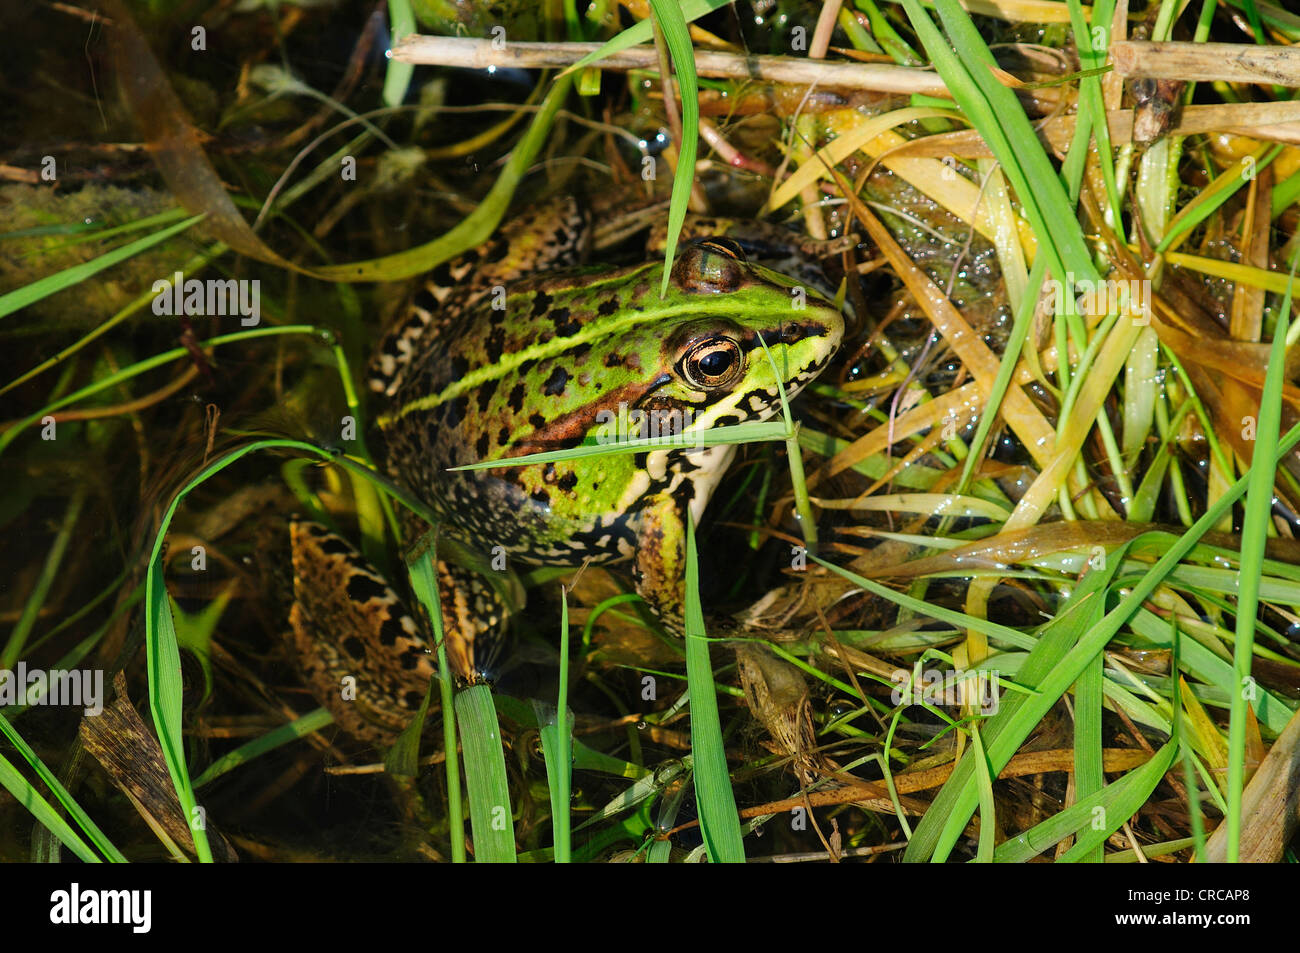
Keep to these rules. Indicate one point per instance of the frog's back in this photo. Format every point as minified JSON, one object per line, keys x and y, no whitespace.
{"x":529,"y":371}
{"x":547,"y":362}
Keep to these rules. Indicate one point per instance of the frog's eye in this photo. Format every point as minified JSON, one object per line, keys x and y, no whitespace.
{"x":726,"y":247}
{"x":710,"y":266}
{"x":712,"y":363}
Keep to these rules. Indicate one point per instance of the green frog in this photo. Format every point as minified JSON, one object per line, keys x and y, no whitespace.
{"x":518,"y":348}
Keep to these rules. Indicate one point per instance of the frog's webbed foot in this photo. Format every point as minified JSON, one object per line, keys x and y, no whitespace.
{"x":364,"y":655}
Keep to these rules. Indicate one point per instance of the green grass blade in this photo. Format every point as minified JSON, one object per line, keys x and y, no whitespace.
{"x":397,"y":78}
{"x":929,"y":840}
{"x":736,"y":433}
{"x":44,"y":287}
{"x":196,"y":263}
{"x":141,"y":367}
{"x":996,"y":113}
{"x":26,"y":795}
{"x":424,"y":583}
{"x":988,"y":811}
{"x":275,"y":738}
{"x":719,"y":819}
{"x":1088,"y":776}
{"x":477,"y":227}
{"x":165,"y":694}
{"x":668,"y":14}
{"x":1044,"y":670}
{"x":1254,"y":534}
{"x":403,"y":758}
{"x":557,"y":736}
{"x":485,"y":777}
{"x":31,"y":608}
{"x":1093,"y":818}
{"x":161,"y":650}
{"x":1024,"y":321}
{"x":1211,"y":198}
{"x":75,"y":810}
{"x":643,"y":30}
{"x":1092,"y":104}
{"x":919,"y":607}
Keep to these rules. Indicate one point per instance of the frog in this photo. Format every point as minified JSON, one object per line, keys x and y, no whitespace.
{"x":522,"y":347}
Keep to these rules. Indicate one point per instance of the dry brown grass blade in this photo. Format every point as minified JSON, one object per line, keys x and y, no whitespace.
{"x":1021,"y":415}
{"x":473,"y":53}
{"x":1278,"y":121}
{"x":778,"y":697}
{"x":174,"y":141}
{"x":1207,"y":62}
{"x":1025,"y":545}
{"x":1114,"y":760}
{"x":1247,"y":320}
{"x":1209,"y":347}
{"x":128,"y":750}
{"x":964,"y":403}
{"x":1270,"y":805}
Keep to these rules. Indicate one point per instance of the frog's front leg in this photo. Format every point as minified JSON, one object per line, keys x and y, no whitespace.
{"x":659,"y":568}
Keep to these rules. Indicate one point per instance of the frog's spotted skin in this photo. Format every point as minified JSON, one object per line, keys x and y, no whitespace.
{"x":571,"y":352}
{"x":346,"y":622}
{"x":550,"y":237}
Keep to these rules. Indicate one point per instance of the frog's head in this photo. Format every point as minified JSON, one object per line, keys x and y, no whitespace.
{"x":712,"y":362}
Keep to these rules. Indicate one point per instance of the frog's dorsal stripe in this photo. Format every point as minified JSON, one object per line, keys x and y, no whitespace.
{"x":642,"y":307}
